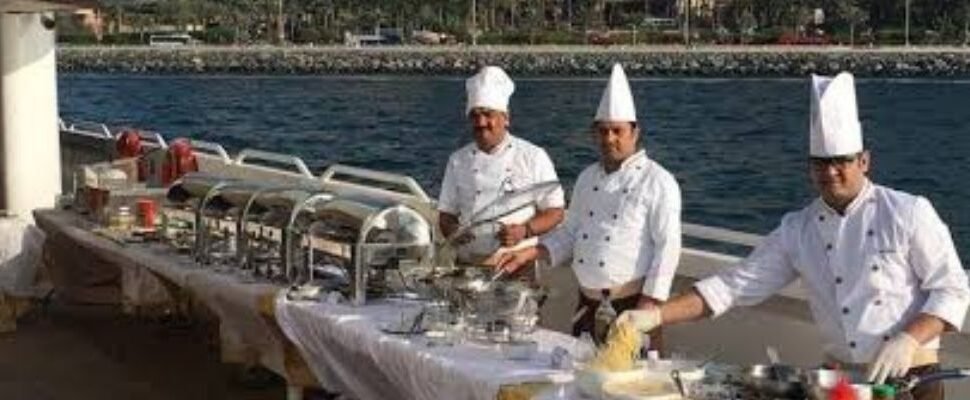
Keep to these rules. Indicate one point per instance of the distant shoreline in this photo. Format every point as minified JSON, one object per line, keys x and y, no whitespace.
{"x":701,"y":61}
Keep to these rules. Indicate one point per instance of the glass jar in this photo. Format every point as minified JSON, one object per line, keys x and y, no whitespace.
{"x":123,"y":219}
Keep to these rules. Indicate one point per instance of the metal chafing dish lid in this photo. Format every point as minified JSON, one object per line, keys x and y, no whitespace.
{"x":287,"y":197}
{"x":238,"y":194}
{"x":195,"y":185}
{"x":388,"y":221}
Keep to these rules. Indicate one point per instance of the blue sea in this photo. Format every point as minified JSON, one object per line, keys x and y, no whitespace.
{"x":737,"y":146}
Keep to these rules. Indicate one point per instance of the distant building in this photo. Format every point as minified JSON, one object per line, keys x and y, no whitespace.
{"x":91,"y":20}
{"x":699,"y":8}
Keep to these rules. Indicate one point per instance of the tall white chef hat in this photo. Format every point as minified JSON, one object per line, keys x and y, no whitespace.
{"x":617,"y":102}
{"x":489,"y":88}
{"x":835,"y":129}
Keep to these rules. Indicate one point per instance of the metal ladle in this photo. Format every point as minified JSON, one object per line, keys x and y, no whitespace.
{"x":511,"y":202}
{"x":481,"y":285}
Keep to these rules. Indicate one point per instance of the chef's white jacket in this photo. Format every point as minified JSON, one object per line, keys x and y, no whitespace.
{"x":474,"y":178}
{"x":868,"y":272}
{"x":622,"y":226}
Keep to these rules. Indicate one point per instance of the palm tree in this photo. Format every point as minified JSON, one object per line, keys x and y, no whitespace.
{"x":852,"y":14}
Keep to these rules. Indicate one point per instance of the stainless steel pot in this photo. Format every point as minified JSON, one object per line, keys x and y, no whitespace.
{"x":776,"y":381}
{"x":905,"y":386}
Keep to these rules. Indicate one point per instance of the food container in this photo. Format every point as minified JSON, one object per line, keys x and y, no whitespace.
{"x":146,"y":213}
{"x":862,"y":391}
{"x":636,"y":384}
{"x":122,"y":219}
{"x":819,"y":382}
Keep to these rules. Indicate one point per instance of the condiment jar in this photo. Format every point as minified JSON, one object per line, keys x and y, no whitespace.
{"x":122,"y":219}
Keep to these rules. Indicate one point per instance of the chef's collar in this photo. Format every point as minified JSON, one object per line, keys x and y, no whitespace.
{"x":633,"y":161}
{"x":505,"y":144}
{"x":864,"y":195}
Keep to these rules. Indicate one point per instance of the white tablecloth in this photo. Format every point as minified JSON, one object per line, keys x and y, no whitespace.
{"x":347,"y":352}
{"x":20,"y":255}
{"x":245,"y":336}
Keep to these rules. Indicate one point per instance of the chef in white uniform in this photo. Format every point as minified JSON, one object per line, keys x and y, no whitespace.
{"x":495,"y":164}
{"x":880,"y":266}
{"x":622,"y":231}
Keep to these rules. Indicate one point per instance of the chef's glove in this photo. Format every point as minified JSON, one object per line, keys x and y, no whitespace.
{"x":894,"y":359}
{"x":644,"y":319}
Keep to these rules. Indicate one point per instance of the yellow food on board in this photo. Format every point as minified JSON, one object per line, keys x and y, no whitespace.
{"x":619,"y":352}
{"x":642,"y":388}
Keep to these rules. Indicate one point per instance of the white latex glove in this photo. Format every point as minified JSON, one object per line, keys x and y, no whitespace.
{"x":894,"y":359}
{"x":643,"y":319}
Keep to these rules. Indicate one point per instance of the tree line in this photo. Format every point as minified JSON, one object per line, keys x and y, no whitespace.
{"x":547,"y":21}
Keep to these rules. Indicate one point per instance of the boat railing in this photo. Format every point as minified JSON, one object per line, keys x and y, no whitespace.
{"x":151,"y":139}
{"x":267,"y":157}
{"x":210,"y":148}
{"x":699,"y":263}
{"x":338,"y":175}
{"x":87,"y":128}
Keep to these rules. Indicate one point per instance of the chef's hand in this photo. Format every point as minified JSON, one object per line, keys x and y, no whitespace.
{"x":894,"y":359}
{"x":514,"y":260}
{"x":512,"y":234}
{"x":645,"y":320}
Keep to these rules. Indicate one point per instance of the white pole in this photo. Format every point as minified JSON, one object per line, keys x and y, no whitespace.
{"x":474,"y":23}
{"x":687,"y":23}
{"x":280,"y":21}
{"x":31,"y":159}
{"x":907,"y":23}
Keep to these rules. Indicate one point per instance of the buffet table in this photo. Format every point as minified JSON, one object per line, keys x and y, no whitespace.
{"x":348,"y":351}
{"x":149,"y":278}
{"x":310,"y":343}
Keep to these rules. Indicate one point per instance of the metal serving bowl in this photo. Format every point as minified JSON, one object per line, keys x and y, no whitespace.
{"x":776,"y":381}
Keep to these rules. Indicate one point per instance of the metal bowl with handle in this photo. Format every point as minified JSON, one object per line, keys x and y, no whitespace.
{"x":905,"y":386}
{"x":776,"y":381}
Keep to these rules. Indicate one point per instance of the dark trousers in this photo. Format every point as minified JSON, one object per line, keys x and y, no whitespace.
{"x":929,"y":391}
{"x":585,"y":318}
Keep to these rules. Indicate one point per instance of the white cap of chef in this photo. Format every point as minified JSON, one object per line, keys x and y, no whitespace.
{"x":616,"y":105}
{"x":490,"y":88}
{"x":835,"y":129}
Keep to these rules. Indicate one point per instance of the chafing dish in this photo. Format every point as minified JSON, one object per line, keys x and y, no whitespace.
{"x":198,"y":192}
{"x":278,"y":209}
{"x":368,"y":237}
{"x":503,"y":311}
{"x":242,"y":223}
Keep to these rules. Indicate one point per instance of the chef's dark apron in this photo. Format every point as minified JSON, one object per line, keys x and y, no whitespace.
{"x":587,"y":321}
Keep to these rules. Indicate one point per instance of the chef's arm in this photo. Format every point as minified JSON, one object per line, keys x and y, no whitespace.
{"x":544,"y":221}
{"x":926,"y":327}
{"x":935,"y":262}
{"x":686,"y":307}
{"x":664,"y":233}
